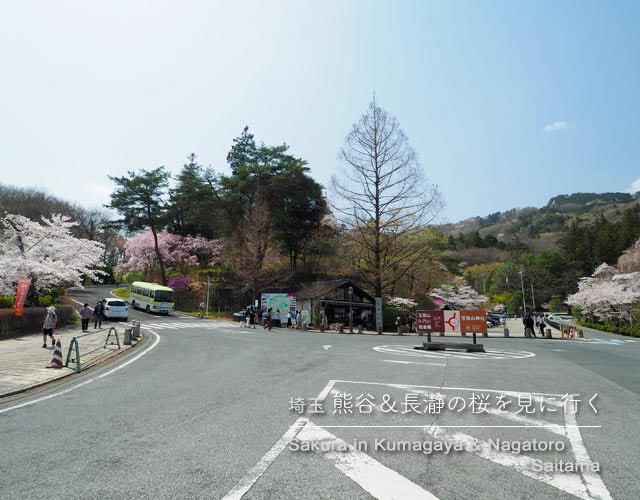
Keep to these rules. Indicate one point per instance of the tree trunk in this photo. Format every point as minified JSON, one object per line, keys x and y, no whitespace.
{"x":163,"y":275}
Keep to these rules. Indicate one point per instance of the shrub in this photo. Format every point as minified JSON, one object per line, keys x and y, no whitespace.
{"x":6,"y":302}
{"x":45,"y":300}
{"x":180,"y":283}
{"x":629,"y":331}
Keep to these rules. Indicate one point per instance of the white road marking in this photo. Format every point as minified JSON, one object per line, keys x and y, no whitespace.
{"x":559,"y":350}
{"x":489,"y":354}
{"x":250,"y":478}
{"x":263,"y":464}
{"x":569,"y":483}
{"x":373,"y":477}
{"x":326,"y":347}
{"x":411,"y":362}
{"x":65,"y":391}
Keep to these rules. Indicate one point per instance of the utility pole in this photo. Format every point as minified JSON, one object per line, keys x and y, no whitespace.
{"x":208,"y":284}
{"x":533,"y":298}
{"x":524,"y":304}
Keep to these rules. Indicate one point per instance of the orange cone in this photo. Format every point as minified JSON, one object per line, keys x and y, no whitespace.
{"x":56,"y":361}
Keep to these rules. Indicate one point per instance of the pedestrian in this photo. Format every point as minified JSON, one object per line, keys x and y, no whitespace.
{"x":49,"y":325}
{"x":247,"y":318}
{"x":410,"y":323}
{"x":201,"y":306}
{"x":85,"y":316}
{"x":542,"y":324}
{"x":252,"y":319}
{"x":529,"y":325}
{"x":289,"y":319}
{"x":294,"y":319}
{"x":98,"y":313}
{"x":269,"y":318}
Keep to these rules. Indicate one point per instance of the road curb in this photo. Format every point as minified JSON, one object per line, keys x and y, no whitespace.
{"x":67,"y":375}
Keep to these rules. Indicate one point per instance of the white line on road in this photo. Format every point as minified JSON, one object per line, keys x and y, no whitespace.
{"x":411,"y":362}
{"x":373,"y":477}
{"x":250,"y":478}
{"x":65,"y":391}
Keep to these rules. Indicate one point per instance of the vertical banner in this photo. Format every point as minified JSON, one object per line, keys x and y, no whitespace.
{"x":21,"y":295}
{"x":473,"y":321}
{"x":452,"y":321}
{"x":430,"y":321}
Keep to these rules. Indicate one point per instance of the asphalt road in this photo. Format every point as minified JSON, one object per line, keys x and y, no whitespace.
{"x":201,"y":409}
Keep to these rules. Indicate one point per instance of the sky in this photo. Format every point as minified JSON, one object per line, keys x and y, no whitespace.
{"x":506,"y":103}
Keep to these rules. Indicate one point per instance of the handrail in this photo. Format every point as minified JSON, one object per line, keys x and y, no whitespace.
{"x":75,"y":346}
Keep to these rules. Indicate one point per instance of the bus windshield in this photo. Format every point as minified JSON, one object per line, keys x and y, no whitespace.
{"x":164,"y":296}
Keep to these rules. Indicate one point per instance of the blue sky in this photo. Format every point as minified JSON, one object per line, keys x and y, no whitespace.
{"x":507,"y":103}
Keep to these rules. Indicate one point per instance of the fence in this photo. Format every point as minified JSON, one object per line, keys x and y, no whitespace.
{"x":31,"y":320}
{"x":74,"y":346}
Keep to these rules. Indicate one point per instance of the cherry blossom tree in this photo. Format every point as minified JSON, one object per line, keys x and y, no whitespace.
{"x":402,"y":303}
{"x":177,"y":252}
{"x":458,"y":295}
{"x":629,"y":261}
{"x":607,"y":294}
{"x":46,"y":252}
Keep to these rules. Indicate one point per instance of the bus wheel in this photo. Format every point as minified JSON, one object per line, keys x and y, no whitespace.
{"x":148,"y":309}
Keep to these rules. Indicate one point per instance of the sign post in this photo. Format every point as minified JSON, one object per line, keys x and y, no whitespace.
{"x":379,"y":315}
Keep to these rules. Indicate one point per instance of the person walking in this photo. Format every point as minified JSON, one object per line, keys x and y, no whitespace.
{"x":85,"y":316}
{"x":98,"y":313}
{"x":289,"y":319}
{"x":247,"y":318}
{"x":529,"y":330}
{"x":293,"y":319}
{"x":542,"y":324}
{"x":252,"y":319}
{"x":201,"y":306}
{"x":48,"y":327}
{"x":269,"y":318}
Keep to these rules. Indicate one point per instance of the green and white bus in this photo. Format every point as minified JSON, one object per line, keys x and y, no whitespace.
{"x":151,"y":297}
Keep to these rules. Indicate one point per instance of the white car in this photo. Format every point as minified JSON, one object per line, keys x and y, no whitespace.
{"x":116,"y":309}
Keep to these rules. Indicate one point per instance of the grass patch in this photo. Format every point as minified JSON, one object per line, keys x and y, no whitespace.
{"x":212,"y":315}
{"x":123,"y":293}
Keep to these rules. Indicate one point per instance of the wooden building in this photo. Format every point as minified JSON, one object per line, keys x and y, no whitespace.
{"x":333,"y":298}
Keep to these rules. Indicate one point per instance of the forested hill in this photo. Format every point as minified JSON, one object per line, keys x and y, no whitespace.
{"x":542,"y":228}
{"x":553,"y":246}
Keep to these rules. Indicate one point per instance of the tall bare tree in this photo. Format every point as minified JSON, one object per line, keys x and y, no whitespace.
{"x":381,"y":197}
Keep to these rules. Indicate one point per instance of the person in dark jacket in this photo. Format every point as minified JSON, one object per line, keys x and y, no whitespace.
{"x":529,"y":325}
{"x":98,"y":314}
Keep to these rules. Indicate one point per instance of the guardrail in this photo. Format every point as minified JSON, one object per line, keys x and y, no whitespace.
{"x":74,"y":346}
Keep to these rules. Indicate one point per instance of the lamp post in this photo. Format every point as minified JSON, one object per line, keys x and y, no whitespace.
{"x":350,"y":309}
{"x":524,"y":305}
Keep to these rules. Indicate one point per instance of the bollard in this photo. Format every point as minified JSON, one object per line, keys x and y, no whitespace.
{"x":547,"y":333}
{"x":429,"y":336}
{"x":341,"y":329}
{"x":322,"y":327}
{"x":505,"y":332}
{"x":127,"y":336}
{"x":360,"y":329}
{"x":474,"y":337}
{"x":400,"y":330}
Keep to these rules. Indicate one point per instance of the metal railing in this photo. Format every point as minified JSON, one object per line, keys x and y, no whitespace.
{"x":74,"y":346}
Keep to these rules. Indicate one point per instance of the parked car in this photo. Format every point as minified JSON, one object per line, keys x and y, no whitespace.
{"x":116,"y":309}
{"x":494,"y":319}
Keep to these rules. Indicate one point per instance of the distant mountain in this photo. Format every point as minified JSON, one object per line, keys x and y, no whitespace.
{"x":540,"y":228}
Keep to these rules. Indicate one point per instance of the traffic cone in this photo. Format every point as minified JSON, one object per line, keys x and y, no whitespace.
{"x":56,"y":361}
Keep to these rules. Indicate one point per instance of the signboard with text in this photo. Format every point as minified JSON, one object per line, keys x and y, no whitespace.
{"x":473,"y":322}
{"x":430,"y":321}
{"x":285,"y":302}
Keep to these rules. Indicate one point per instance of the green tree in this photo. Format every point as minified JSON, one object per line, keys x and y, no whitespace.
{"x":140,"y":198}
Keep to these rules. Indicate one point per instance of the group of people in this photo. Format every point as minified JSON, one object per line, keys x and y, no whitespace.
{"x":270,"y":318}
{"x":51,"y":320}
{"x":531,"y":322}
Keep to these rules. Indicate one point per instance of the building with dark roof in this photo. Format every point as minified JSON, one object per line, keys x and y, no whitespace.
{"x":333,"y":298}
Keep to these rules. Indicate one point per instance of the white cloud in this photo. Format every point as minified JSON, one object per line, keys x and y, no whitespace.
{"x":556,"y":126}
{"x":634,"y":187}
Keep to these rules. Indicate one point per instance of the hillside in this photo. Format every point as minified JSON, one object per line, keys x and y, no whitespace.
{"x":541,"y":228}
